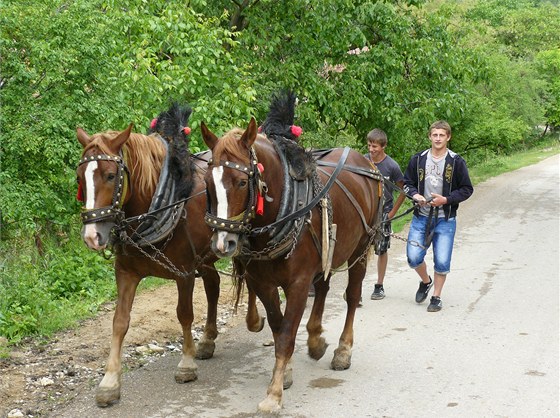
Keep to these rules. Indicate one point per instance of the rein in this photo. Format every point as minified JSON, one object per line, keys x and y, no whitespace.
{"x":241,"y":223}
{"x":429,"y":234}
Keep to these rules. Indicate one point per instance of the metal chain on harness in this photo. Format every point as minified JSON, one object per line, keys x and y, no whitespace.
{"x":160,"y":258}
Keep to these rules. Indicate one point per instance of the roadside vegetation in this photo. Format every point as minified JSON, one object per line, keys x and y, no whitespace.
{"x":489,"y":67}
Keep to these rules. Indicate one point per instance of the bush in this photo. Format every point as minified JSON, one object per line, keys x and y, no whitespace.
{"x":42,"y":294}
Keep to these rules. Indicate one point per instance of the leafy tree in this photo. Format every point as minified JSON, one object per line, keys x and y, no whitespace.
{"x":489,"y":67}
{"x":548,"y":66}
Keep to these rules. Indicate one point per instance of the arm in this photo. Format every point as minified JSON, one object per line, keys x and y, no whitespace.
{"x":462,"y":185}
{"x":411,"y":178}
{"x":398,"y":202}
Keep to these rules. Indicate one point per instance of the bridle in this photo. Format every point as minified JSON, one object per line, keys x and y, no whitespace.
{"x":114,"y":211}
{"x":240,"y":223}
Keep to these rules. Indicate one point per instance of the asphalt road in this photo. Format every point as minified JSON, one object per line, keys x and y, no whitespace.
{"x":491,"y":352}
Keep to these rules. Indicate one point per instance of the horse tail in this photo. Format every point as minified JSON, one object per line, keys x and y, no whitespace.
{"x":172,"y":125}
{"x":280,"y":118}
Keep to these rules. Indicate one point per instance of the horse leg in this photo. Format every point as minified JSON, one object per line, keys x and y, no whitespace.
{"x":254,"y":321}
{"x":316,"y":344}
{"x":109,"y":389}
{"x":284,"y":329}
{"x":343,"y":354}
{"x":206,"y":344}
{"x":187,"y":368}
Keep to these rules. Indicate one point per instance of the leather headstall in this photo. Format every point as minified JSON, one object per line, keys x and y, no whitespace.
{"x":114,"y":211}
{"x":240,"y":223}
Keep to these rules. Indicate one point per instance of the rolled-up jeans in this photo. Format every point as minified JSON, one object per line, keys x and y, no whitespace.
{"x":442,"y":242}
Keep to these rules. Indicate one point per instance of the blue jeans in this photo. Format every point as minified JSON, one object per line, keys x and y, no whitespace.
{"x":442,"y":243}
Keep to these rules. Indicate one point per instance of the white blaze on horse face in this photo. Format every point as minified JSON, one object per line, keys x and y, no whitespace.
{"x":90,"y":184}
{"x":90,"y":230}
{"x":222,"y":206}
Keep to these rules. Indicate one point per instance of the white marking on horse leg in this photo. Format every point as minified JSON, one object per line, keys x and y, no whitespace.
{"x":222,"y":207}
{"x":90,"y":230}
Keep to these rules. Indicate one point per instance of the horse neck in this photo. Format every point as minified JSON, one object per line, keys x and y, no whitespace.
{"x":273,"y":176}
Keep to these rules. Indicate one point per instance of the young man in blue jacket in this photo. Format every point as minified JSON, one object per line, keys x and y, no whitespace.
{"x":438,"y":179}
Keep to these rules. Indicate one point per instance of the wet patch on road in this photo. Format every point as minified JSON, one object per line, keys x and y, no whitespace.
{"x":325,"y":383}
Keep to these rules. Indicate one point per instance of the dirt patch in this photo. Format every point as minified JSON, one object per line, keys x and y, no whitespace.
{"x":40,"y":376}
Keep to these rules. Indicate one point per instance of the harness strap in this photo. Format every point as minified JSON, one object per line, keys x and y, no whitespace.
{"x":431,"y":226}
{"x":354,"y":202}
{"x":313,"y":203}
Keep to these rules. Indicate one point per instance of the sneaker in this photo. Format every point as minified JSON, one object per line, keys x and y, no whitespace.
{"x":423,"y":291}
{"x":435,"y":304}
{"x":378,"y":292}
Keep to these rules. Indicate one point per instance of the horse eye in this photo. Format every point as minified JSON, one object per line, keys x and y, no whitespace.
{"x":111,"y":176}
{"x":242,"y":183}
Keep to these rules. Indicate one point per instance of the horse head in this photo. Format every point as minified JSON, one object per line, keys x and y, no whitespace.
{"x":231,"y":183}
{"x":102,"y":184}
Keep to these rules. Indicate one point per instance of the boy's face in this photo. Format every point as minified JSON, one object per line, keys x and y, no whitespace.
{"x":439,"y":138}
{"x":375,"y":150}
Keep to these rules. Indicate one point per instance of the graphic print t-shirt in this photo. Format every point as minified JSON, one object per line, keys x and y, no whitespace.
{"x":433,"y":182}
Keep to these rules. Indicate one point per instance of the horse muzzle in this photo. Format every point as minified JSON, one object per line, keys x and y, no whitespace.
{"x":225,"y":244}
{"x":96,"y":235}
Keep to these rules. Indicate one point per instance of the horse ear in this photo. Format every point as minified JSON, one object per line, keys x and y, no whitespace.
{"x":121,"y":138}
{"x":209,"y":138}
{"x":250,"y":134}
{"x":83,"y":137}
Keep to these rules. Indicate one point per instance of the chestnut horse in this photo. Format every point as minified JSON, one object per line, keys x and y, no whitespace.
{"x":119,"y":179}
{"x":245,"y":175}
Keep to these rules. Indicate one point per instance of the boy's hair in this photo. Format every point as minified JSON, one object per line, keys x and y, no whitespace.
{"x":440,"y":124}
{"x":378,"y":136}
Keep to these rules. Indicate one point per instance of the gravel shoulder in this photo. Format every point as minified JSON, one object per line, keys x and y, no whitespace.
{"x":41,"y":376}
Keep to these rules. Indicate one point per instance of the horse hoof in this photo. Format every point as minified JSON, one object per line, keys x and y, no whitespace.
{"x":183,"y":375}
{"x":270,"y":406}
{"x":288,"y":379}
{"x":341,"y":360}
{"x":107,"y":397}
{"x":318,"y":351}
{"x":256,"y":327}
{"x":205,"y":349}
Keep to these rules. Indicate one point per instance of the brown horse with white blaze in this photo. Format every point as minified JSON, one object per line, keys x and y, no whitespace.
{"x":246,"y":167}
{"x":120,"y":176}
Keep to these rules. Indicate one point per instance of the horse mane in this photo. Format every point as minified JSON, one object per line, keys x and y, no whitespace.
{"x":280,"y":116}
{"x":170,"y":125}
{"x":231,"y":146}
{"x":144,"y":157}
{"x":278,"y":127}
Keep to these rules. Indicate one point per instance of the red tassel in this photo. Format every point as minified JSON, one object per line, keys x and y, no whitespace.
{"x":260,"y":204}
{"x":79,"y":194}
{"x":187,"y":130}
